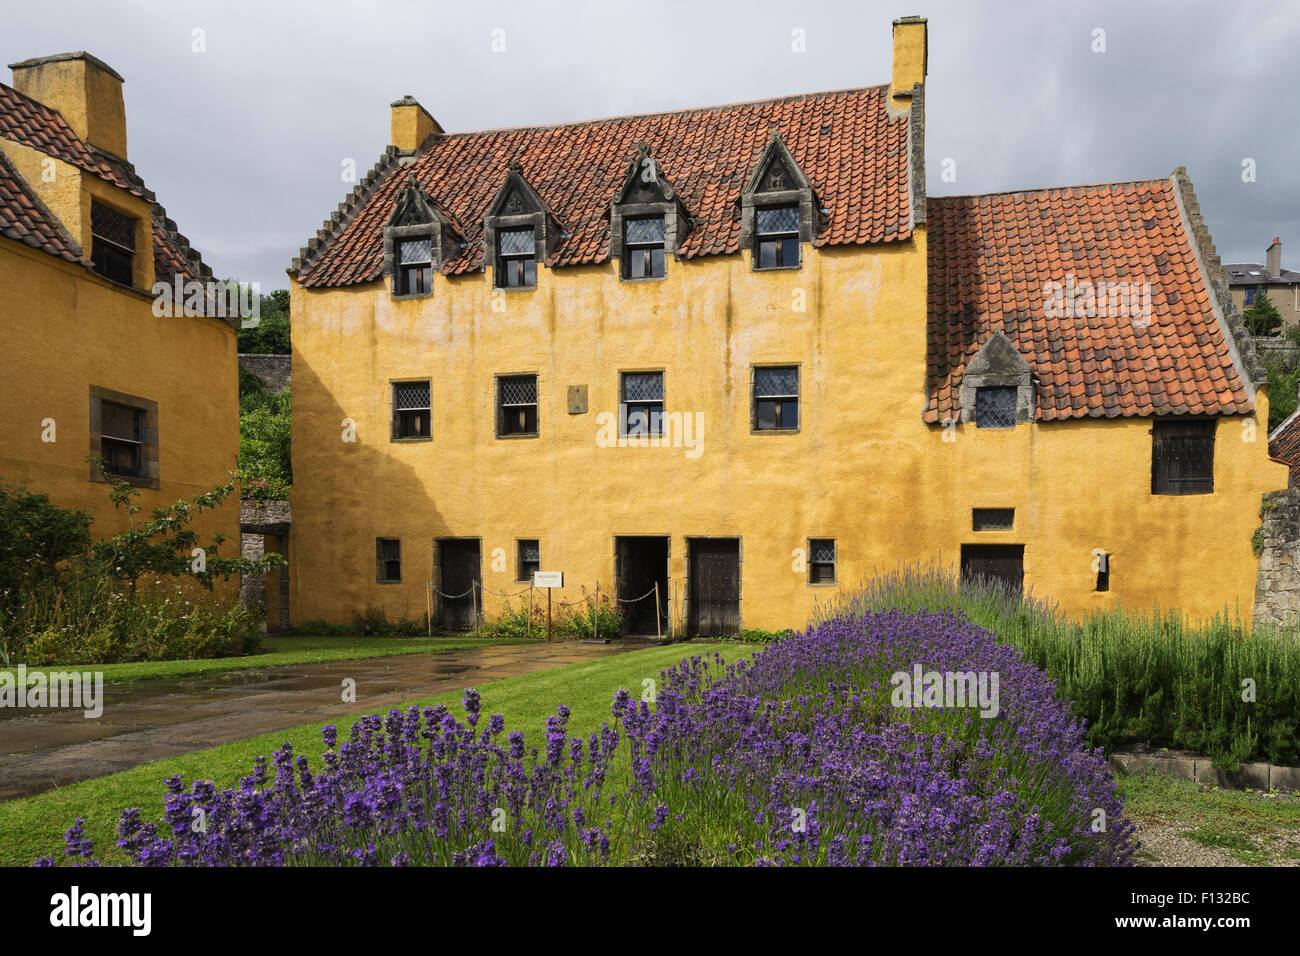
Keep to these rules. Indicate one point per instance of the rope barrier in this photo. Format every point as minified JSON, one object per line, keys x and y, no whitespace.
{"x":635,"y":599}
{"x":455,"y":597}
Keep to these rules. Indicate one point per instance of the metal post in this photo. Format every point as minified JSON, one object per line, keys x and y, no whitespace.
{"x":659,"y":633}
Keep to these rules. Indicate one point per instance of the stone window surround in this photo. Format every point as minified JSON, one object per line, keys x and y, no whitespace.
{"x":997,"y":365}
{"x":677,"y":222}
{"x":754,"y":197}
{"x":148,"y":436}
{"x":753,"y":398}
{"x":393,"y":437}
{"x":547,"y":232}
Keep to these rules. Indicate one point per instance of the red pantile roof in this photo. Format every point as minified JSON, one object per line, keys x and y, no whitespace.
{"x":990,"y":258}
{"x":25,"y":218}
{"x":855,"y":154}
{"x":1284,"y":446}
{"x":26,"y":121}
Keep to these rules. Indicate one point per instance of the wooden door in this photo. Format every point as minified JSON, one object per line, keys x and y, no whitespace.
{"x":714,"y":587}
{"x":1002,"y":564}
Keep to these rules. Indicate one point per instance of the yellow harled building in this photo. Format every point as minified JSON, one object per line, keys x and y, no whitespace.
{"x":736,"y":356}
{"x":90,"y":366}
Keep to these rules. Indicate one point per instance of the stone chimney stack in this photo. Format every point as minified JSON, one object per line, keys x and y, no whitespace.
{"x":411,"y":124}
{"x":1273,"y":260}
{"x":911,"y":48}
{"x":85,"y":89}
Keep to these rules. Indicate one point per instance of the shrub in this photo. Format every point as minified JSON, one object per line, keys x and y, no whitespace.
{"x":1155,"y":678}
{"x":794,"y":758}
{"x":568,"y":622}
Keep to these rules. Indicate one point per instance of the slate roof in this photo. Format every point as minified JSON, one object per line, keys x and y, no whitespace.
{"x":990,"y":258}
{"x":33,"y":124}
{"x":1239,"y":274}
{"x":855,"y":154}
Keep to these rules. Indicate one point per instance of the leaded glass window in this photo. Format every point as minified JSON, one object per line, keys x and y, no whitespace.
{"x":821,"y":561}
{"x":414,"y":266}
{"x":516,"y":258}
{"x":995,"y":406}
{"x":530,"y":559}
{"x":642,"y":403}
{"x":412,"y":410}
{"x":517,"y":405}
{"x":643,"y":248}
{"x":112,"y":248}
{"x":776,"y":398}
{"x":776,"y":241}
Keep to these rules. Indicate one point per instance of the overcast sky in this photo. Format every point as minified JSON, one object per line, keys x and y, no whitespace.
{"x":244,"y":142}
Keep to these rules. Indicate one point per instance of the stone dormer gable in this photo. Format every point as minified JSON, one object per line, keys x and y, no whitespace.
{"x":778,"y":180}
{"x":998,"y":364}
{"x":417,"y":216}
{"x":647,"y":192}
{"x":518,"y":205}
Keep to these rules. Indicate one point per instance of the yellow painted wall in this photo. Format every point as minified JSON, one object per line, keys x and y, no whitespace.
{"x":64,"y":329}
{"x":863,"y":469}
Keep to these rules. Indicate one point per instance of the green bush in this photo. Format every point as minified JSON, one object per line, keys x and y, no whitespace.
{"x":572,"y":623}
{"x":372,"y":622}
{"x":1155,"y":678}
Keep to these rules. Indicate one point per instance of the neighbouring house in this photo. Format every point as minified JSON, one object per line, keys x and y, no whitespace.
{"x":90,"y":368}
{"x":734,"y":356}
{"x":1282,"y":285}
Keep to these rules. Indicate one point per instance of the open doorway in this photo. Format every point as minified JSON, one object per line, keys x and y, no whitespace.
{"x":641,"y":563}
{"x":459,"y":574}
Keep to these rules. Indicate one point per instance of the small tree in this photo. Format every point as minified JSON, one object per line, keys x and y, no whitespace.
{"x":1262,"y":318}
{"x":36,"y":537}
{"x":165,"y":544}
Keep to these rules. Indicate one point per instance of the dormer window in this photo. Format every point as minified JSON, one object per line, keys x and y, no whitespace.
{"x":420,"y":237}
{"x":778,"y":209}
{"x":518,"y":232}
{"x":415,"y":266}
{"x":643,"y":248}
{"x":997,"y":385}
{"x":516,"y":258}
{"x":647,"y":220}
{"x":777,"y":237}
{"x":112,"y":250}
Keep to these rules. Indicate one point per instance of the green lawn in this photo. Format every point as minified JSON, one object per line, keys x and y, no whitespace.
{"x":288,"y":650}
{"x":33,"y":826}
{"x":1256,"y":828}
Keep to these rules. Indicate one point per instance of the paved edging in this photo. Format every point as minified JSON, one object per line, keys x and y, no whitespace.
{"x":1257,"y":775}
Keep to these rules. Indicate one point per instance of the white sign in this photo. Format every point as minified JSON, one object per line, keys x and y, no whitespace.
{"x":548,"y":579}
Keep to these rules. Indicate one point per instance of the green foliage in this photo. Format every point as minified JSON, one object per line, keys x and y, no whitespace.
{"x":755,"y":635}
{"x":271,"y":337}
{"x":572,"y":623}
{"x":1152,"y":677}
{"x":65,"y":598}
{"x":36,"y":537}
{"x":265,"y":425}
{"x":1262,"y":318}
{"x":1283,"y":386}
{"x":373,"y":622}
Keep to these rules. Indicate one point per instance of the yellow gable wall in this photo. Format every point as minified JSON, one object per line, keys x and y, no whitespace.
{"x":64,"y":330}
{"x":863,"y":468}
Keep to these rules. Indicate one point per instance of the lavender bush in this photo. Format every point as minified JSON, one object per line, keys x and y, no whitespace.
{"x":795,"y":757}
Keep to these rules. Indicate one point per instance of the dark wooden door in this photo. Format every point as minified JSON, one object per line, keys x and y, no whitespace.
{"x":642,"y":562}
{"x":1002,"y":564}
{"x":715,"y":587}
{"x":458,"y":560}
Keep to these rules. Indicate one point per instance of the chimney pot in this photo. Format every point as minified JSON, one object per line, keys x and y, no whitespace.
{"x":1273,"y":258}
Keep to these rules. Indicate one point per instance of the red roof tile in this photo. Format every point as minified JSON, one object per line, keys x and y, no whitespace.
{"x":33,"y":124}
{"x":25,"y":218}
{"x":990,"y":258}
{"x":1284,"y":446}
{"x":853,"y":152}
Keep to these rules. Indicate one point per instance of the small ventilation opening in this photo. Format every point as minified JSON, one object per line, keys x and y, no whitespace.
{"x":1103,"y":571}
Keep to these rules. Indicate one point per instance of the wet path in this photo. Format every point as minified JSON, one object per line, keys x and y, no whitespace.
{"x":151,"y":720}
